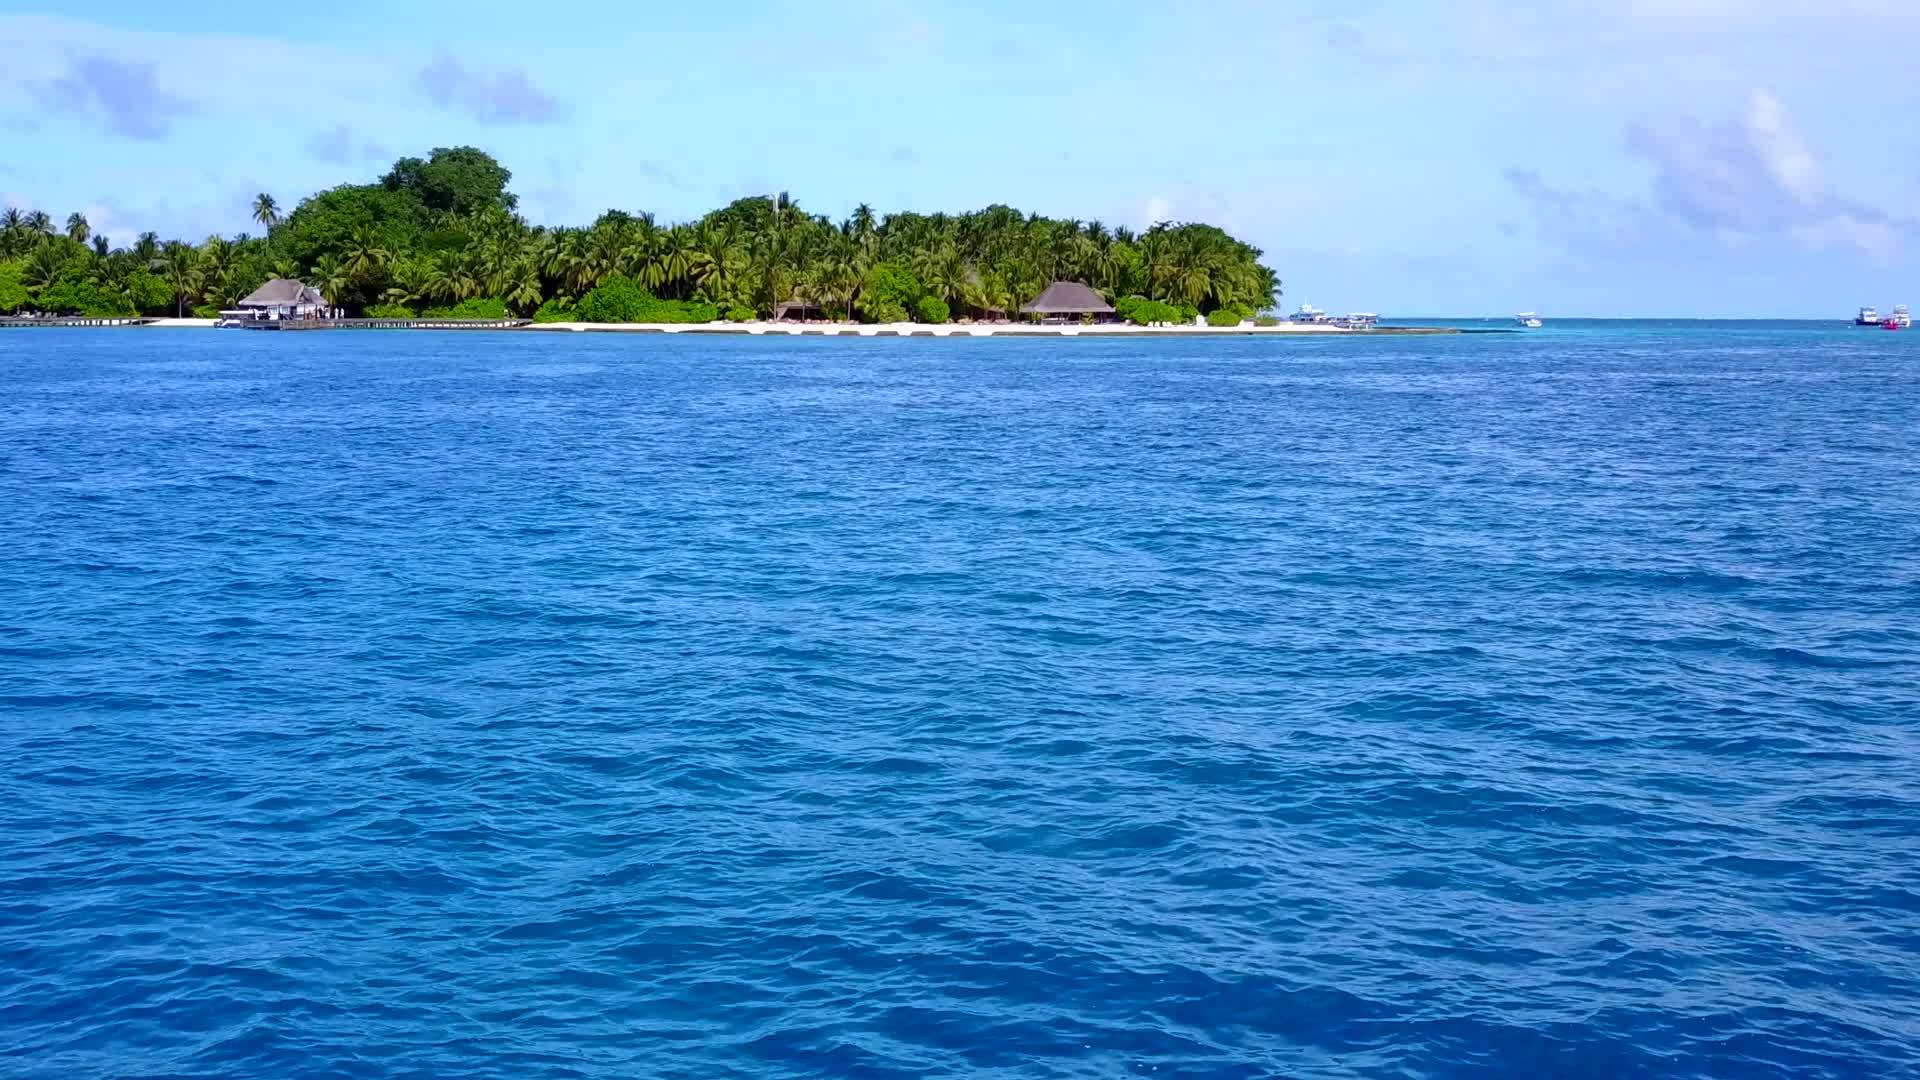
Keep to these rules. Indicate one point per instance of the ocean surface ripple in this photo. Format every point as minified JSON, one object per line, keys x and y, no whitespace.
{"x":428,"y":705}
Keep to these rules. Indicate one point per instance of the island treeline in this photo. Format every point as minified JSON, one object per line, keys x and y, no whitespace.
{"x":442,"y":236}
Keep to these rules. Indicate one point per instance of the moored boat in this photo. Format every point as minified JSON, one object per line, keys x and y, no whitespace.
{"x":1529,"y":320}
{"x":1899,"y":318}
{"x":1869,"y":316}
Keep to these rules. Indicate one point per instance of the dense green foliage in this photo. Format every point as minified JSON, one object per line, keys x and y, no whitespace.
{"x":1226,"y":317}
{"x":441,"y":231}
{"x":932,"y":309}
{"x":555,"y":310}
{"x":461,"y":181}
{"x":477,"y":307}
{"x":620,"y":300}
{"x":1141,"y":311}
{"x":13,"y":291}
{"x":388,"y":311}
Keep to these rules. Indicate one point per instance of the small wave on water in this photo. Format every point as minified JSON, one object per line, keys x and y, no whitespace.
{"x":420,"y":705}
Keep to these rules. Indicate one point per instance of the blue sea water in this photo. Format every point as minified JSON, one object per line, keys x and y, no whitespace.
{"x":538,"y":707}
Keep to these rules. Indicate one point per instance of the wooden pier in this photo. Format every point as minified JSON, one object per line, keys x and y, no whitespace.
{"x":74,"y":321}
{"x":382,"y":324}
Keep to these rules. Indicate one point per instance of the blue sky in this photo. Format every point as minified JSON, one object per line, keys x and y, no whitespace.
{"x":1687,"y":157}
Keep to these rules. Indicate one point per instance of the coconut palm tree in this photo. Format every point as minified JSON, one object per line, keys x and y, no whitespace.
{"x":39,"y":223}
{"x":181,"y":269}
{"x":523,"y":291}
{"x":863,"y":229}
{"x":147,"y":248}
{"x":43,"y":267}
{"x":331,"y":277}
{"x":266,"y":211}
{"x":13,"y":232}
{"x":676,"y":257}
{"x":364,"y":255}
{"x":77,"y":228}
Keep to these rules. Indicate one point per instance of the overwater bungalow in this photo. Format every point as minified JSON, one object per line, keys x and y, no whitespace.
{"x":279,"y":300}
{"x":1069,"y":300}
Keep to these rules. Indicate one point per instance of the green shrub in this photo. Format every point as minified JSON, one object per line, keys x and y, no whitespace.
{"x":206,"y":311}
{"x":739,"y":313}
{"x":150,"y":295}
{"x":478,"y":307}
{"x":13,"y":294}
{"x":71,"y":295}
{"x":554,"y":310}
{"x":1223,"y":317}
{"x":389,"y":311}
{"x":932,"y":309}
{"x":1266,"y":320}
{"x":619,"y":300}
{"x":1141,"y":311}
{"x":888,"y":292}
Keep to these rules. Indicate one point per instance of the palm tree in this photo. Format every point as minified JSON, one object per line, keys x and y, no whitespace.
{"x":13,"y":231}
{"x":265,"y":210}
{"x":43,"y":266}
{"x":861,"y":228}
{"x":181,"y":269}
{"x":835,"y":277}
{"x":365,"y":256}
{"x":38,"y":222}
{"x":77,"y":228}
{"x":524,"y":290}
{"x":101,"y":246}
{"x":331,"y":278}
{"x":147,"y":248}
{"x":676,"y":257}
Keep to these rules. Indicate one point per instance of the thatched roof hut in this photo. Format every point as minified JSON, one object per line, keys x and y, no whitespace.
{"x":797,"y":308}
{"x":1067,"y":298}
{"x":284,"y":293}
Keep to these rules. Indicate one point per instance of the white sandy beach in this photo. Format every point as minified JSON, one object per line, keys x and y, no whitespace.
{"x":792,"y":329}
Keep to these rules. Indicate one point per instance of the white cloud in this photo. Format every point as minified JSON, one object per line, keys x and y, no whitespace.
{"x":1738,"y":184}
{"x":219,"y":72}
{"x":1780,"y":148}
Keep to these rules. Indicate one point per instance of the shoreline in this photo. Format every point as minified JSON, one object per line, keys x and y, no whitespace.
{"x":896,"y":330}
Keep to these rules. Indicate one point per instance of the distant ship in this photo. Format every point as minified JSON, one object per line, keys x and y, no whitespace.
{"x":1898,"y":319}
{"x":1867,"y":317}
{"x":1529,"y":320}
{"x":1309,"y":314}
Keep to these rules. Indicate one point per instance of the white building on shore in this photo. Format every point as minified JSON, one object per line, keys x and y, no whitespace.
{"x":279,"y":300}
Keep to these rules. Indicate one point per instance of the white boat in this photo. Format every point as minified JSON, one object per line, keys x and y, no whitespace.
{"x":1899,"y":318}
{"x":1529,"y":320}
{"x":1867,"y":317}
{"x":1309,"y":314}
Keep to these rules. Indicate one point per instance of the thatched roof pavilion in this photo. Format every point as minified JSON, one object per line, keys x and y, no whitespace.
{"x":1067,"y":298}
{"x":284,"y":293}
{"x":797,"y":308}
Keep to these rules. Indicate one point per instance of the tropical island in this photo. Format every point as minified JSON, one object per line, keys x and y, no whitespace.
{"x":441,"y":237}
